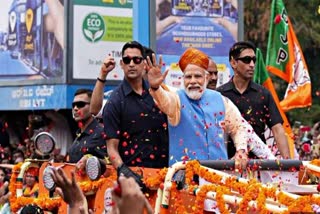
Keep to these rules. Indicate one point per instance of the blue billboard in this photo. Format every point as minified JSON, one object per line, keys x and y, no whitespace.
{"x":31,"y":42}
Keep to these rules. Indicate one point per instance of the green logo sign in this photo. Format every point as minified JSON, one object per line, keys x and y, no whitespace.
{"x":93,"y":27}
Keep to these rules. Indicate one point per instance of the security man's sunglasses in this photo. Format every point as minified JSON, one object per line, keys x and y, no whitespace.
{"x":79,"y":104}
{"x":247,"y":59}
{"x":136,"y":59}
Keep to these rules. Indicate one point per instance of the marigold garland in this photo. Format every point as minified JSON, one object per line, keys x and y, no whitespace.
{"x":202,"y":194}
{"x":315,"y":162}
{"x":253,"y":190}
{"x":155,"y":181}
{"x":261,"y":200}
{"x":301,"y":204}
{"x":44,"y":201}
{"x":88,"y":186}
{"x":219,"y":199}
{"x":250,"y":195}
{"x":179,"y":206}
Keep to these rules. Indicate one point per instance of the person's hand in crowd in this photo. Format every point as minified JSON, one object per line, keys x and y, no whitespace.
{"x":132,"y":200}
{"x":70,"y":191}
{"x":241,"y":160}
{"x":3,"y":188}
{"x":124,"y":170}
{"x":4,"y":197}
{"x":81,"y":165}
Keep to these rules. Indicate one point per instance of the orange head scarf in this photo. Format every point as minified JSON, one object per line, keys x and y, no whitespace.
{"x":195,"y":57}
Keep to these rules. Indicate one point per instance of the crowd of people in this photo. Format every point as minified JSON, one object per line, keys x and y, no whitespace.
{"x":307,"y":141}
{"x":146,"y":123}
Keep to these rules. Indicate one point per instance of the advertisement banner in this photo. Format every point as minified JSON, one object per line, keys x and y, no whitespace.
{"x":31,"y":42}
{"x":34,"y":97}
{"x":39,"y":97}
{"x":12,"y":33}
{"x":100,"y":29}
{"x":209,"y":25}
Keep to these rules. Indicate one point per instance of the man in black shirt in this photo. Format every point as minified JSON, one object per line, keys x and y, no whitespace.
{"x":136,"y":129}
{"x":255,"y":102}
{"x":90,"y":137}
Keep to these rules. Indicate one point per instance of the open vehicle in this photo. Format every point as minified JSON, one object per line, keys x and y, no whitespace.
{"x":177,"y":189}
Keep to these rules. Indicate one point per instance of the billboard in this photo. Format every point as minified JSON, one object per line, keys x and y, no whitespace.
{"x":31,"y":42}
{"x":209,"y":25}
{"x":39,"y":97}
{"x":34,"y":97}
{"x":100,"y":28}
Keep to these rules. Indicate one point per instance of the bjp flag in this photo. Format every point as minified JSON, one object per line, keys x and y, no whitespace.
{"x":261,"y":76}
{"x":285,"y":59}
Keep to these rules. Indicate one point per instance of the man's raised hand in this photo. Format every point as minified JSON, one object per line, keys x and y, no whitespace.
{"x":155,"y":76}
{"x":108,"y":65}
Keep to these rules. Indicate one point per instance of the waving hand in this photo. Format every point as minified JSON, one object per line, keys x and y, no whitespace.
{"x":155,"y":76}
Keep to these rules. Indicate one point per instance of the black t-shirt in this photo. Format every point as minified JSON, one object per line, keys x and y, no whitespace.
{"x":256,"y":105}
{"x":139,"y":125}
{"x":91,"y":141}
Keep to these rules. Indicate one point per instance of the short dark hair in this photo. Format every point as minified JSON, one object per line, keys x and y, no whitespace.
{"x":148,"y":52}
{"x":238,"y":47}
{"x":31,"y":209}
{"x":38,"y":121}
{"x":133,"y":44}
{"x":18,"y":151}
{"x":83,"y":91}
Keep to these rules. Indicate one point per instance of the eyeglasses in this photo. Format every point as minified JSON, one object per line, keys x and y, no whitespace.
{"x":136,"y":59}
{"x":247,"y":59}
{"x":79,"y":104}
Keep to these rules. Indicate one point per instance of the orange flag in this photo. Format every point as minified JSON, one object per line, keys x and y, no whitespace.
{"x":285,"y":59}
{"x":262,"y":77}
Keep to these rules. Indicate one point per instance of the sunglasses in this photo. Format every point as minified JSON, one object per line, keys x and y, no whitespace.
{"x":79,"y":104}
{"x":247,"y":59}
{"x":136,"y":59}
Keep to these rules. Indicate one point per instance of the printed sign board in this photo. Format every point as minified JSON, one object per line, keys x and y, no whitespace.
{"x":31,"y":42}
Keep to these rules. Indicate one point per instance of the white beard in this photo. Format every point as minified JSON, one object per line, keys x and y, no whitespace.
{"x":196,"y":94}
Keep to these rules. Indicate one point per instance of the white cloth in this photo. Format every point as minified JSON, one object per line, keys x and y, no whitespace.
{"x":209,"y":205}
